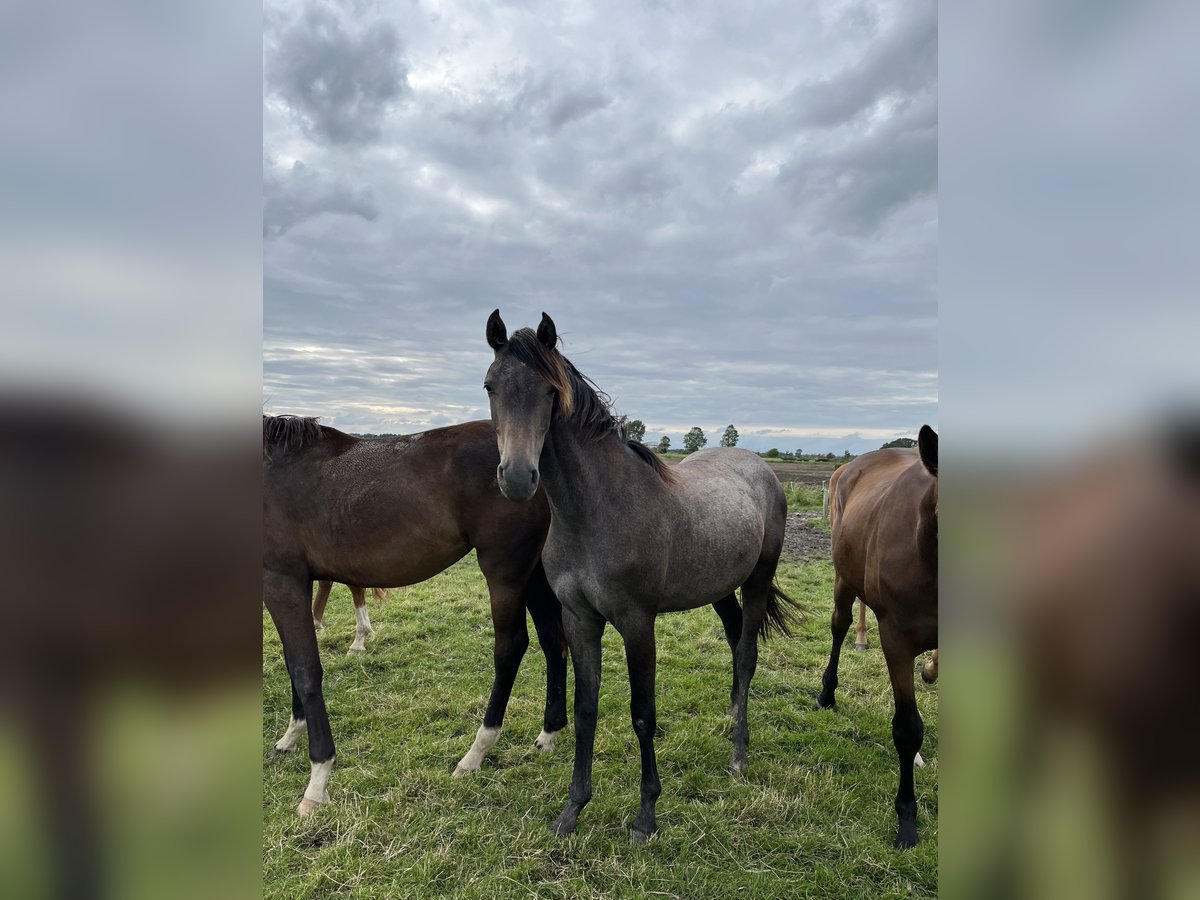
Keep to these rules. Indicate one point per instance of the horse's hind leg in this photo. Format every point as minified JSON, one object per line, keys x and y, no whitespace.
{"x":511,"y":642}
{"x":731,"y":619}
{"x":319,"y":601}
{"x":296,"y":727}
{"x":546,"y":613}
{"x":839,"y":624}
{"x":756,"y":594}
{"x":362,"y":622}
{"x":288,"y":600}
{"x":929,"y":671}
{"x":907,"y":728}
{"x":860,"y":630}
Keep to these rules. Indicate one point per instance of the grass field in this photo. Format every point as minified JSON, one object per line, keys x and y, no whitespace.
{"x":813,"y":818}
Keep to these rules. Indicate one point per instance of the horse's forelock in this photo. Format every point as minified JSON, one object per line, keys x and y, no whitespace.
{"x":548,"y":363}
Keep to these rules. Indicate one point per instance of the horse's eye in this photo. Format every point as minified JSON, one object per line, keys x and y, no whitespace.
{"x":487,"y":387}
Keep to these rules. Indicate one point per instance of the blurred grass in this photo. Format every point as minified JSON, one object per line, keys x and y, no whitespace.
{"x":178,"y":797}
{"x":813,"y":818}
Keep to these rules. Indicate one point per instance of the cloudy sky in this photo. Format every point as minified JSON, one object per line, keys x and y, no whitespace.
{"x":731,"y":214}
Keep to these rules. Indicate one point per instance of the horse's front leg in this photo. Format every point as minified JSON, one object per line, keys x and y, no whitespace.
{"x":583,"y":633}
{"x":640,"y":657}
{"x":511,"y":642}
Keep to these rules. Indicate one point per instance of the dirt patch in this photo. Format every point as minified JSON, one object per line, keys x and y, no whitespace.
{"x":802,"y":540}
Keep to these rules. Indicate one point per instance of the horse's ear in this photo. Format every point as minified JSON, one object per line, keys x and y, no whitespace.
{"x":927,"y":445}
{"x":547,"y":333}
{"x":497,"y":334}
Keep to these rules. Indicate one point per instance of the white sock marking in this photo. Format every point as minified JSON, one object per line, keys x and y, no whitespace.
{"x":317,"y":791}
{"x":362,"y":630}
{"x":545,"y":740}
{"x":296,"y":727}
{"x":920,"y":763}
{"x":485,"y":740}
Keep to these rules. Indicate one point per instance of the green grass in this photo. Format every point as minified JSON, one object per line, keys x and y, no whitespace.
{"x":802,"y":496}
{"x":812,"y":818}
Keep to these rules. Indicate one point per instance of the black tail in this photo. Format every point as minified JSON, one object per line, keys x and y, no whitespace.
{"x":782,"y":613}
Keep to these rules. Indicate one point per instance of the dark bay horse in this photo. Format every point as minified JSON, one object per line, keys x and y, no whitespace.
{"x":630,"y":538}
{"x":884,"y":510}
{"x":362,"y":620}
{"x":394,"y":512}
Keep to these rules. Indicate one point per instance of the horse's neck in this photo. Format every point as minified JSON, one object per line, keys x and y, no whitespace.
{"x":578,"y":473}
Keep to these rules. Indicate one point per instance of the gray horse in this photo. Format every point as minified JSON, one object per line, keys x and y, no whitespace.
{"x":630,"y":538}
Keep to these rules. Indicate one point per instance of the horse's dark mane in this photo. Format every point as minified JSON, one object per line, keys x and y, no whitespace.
{"x":579,"y":401}
{"x":282,"y":433}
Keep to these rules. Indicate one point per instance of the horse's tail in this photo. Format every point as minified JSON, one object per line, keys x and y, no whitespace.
{"x":782,"y":613}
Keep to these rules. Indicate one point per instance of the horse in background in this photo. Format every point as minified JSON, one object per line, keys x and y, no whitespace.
{"x":884,"y":507}
{"x":393,"y":512}
{"x":362,"y":621}
{"x":929,"y":671}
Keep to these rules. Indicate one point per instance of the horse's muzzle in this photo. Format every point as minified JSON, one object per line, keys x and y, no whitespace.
{"x":517,"y":482}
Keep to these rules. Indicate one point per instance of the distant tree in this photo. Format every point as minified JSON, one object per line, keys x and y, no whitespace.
{"x":846,"y":455}
{"x":635,"y":430}
{"x":730,"y":437}
{"x":773,"y":453}
{"x":664,"y":444}
{"x":827,"y":456}
{"x":694,"y":440}
{"x":799,"y":453}
{"x":899,"y":442}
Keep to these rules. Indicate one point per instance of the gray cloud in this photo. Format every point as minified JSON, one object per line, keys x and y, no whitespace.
{"x":338,"y":83}
{"x":292,"y":195}
{"x":646,"y":176}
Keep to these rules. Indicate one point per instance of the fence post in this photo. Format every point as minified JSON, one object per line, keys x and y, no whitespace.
{"x":825,"y":500}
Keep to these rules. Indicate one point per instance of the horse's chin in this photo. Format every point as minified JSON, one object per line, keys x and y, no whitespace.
{"x":517,"y":495}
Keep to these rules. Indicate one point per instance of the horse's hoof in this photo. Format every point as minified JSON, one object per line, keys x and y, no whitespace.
{"x":919,"y":762}
{"x":906,"y":837}
{"x":318,"y":625}
{"x":926,"y":677}
{"x":862,"y":646}
{"x":276,"y":752}
{"x":737,"y":769}
{"x":545,"y":740}
{"x":822,"y":703}
{"x":637,"y":836}
{"x":561,"y":827}
{"x":354,"y":649}
{"x":307,"y":807}
{"x":461,"y":771}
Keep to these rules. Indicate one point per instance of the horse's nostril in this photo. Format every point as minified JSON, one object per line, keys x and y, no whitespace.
{"x":533,"y":476}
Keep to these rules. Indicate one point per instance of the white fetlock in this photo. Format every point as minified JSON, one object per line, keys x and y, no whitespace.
{"x":317,"y":792}
{"x":545,"y":740}
{"x":296,"y":727}
{"x":485,"y":739}
{"x":919,"y":762}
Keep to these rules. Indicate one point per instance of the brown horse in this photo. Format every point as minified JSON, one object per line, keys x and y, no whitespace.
{"x":884,"y":510}
{"x":362,"y":621}
{"x":395,"y":512}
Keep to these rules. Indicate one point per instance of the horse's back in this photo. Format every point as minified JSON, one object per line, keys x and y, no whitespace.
{"x":394,"y":511}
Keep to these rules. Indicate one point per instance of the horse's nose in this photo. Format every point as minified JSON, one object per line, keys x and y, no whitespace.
{"x":533,"y":475}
